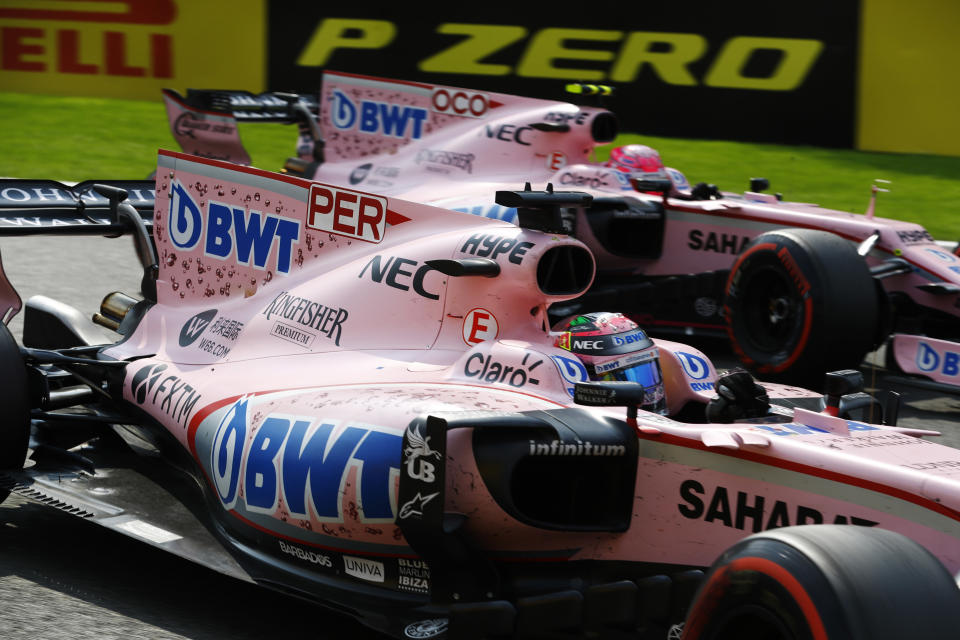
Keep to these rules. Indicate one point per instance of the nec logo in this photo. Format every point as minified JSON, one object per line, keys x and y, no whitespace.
{"x":347,"y":213}
{"x":226,"y":232}
{"x":377,"y":118}
{"x":589,"y":345}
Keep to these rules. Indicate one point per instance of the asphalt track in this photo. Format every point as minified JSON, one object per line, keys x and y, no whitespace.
{"x":61,"y":577}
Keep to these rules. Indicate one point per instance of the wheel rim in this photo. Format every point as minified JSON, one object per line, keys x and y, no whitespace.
{"x":772,"y":310}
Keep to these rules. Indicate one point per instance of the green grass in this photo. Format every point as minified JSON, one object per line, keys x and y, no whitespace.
{"x":80,"y":138}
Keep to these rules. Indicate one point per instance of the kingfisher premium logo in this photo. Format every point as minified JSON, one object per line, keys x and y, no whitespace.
{"x":304,"y":320}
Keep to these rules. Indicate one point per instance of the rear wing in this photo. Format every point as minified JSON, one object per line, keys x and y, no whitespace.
{"x":356,"y":116}
{"x":94,"y":207}
{"x":29,"y":207}
{"x":204,"y":122}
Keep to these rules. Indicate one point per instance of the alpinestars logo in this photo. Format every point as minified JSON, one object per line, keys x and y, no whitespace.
{"x":414,"y":506}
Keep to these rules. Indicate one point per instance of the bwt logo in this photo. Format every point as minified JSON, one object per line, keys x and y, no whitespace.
{"x":630,"y":338}
{"x":694,"y":366}
{"x":929,"y":360}
{"x":376,"y":118}
{"x":306,"y":462}
{"x":572,"y":371}
{"x":229,"y":232}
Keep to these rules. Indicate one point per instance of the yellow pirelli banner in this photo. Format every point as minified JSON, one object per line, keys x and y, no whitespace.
{"x":130,"y":48}
{"x":877,"y":75}
{"x":909,"y":91}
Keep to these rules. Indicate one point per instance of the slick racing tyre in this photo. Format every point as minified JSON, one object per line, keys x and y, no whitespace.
{"x":15,"y":419}
{"x":825,"y":582}
{"x":800,"y":303}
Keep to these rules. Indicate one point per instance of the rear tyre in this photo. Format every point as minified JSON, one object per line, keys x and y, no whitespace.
{"x":14,"y":406}
{"x":827,"y":582}
{"x":800,"y":303}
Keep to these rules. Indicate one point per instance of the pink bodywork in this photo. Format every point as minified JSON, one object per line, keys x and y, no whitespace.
{"x":273,"y":333}
{"x":455,"y":148}
{"x":938,"y":360}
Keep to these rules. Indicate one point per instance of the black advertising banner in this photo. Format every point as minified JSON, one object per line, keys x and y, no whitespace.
{"x":759,"y":71}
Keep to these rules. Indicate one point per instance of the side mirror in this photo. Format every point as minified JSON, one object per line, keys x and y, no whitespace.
{"x":609,"y":394}
{"x":652,"y":185}
{"x":614,"y":394}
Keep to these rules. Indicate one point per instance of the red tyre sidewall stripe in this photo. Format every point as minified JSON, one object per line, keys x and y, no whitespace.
{"x":704,"y":609}
{"x":807,"y":311}
{"x":746,"y":254}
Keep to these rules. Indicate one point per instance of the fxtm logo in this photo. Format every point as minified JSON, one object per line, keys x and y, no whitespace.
{"x":168,"y":393}
{"x":231,"y":232}
{"x":377,"y":118}
{"x":305,"y":462}
{"x":929,"y":360}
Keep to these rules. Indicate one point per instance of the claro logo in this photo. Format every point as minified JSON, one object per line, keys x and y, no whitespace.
{"x":98,"y":42}
{"x":551,"y":52}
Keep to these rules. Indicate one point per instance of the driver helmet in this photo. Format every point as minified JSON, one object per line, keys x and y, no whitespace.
{"x":613,"y":347}
{"x":635,"y":158}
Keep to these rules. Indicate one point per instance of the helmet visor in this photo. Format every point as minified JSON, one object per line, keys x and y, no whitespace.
{"x":646,"y":374}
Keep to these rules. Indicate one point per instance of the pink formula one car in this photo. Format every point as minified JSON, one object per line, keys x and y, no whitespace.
{"x":360,"y":400}
{"x":798,"y":289}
